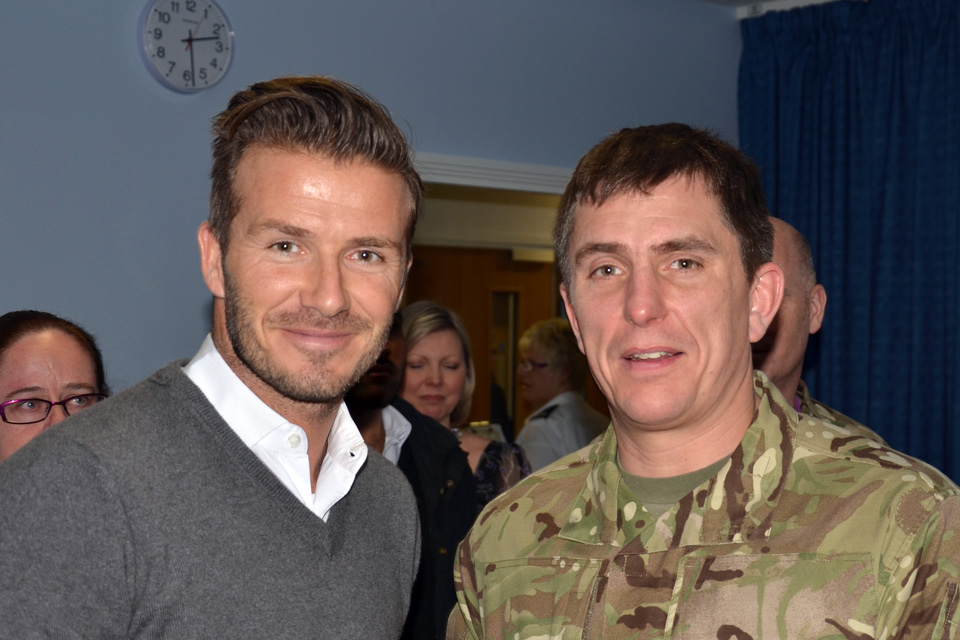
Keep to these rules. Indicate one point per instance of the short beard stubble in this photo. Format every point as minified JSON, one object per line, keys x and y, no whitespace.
{"x":322,"y":387}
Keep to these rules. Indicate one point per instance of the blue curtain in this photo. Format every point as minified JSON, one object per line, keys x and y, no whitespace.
{"x":852,"y":111}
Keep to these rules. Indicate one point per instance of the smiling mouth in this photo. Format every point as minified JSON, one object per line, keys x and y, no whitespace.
{"x":650,"y":355}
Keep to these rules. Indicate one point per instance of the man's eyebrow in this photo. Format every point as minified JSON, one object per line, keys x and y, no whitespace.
{"x":286,"y":229}
{"x":595,"y":248}
{"x":689,"y":243}
{"x":294,"y":231}
{"x":376,"y":243}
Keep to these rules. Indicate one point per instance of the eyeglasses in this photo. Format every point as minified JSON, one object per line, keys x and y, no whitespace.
{"x":531,"y":365}
{"x":30,"y":410}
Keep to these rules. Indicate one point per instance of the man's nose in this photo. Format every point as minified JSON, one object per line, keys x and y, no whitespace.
{"x":325,"y":289}
{"x":644,"y":299}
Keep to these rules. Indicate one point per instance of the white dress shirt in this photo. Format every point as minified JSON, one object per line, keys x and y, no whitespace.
{"x":397,"y":429}
{"x":563,"y":425}
{"x":280,"y":445}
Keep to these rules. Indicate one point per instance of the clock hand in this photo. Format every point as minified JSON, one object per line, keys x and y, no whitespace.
{"x":193,"y":77}
{"x":199,"y":39}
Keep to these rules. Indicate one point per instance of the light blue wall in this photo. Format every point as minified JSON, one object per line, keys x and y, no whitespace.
{"x":103,"y":174}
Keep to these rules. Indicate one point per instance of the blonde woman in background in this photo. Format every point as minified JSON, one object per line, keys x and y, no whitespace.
{"x":439,"y":379}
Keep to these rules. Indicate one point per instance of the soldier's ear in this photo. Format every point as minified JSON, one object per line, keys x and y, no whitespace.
{"x":211,"y":259}
{"x":765,"y":298}
{"x":818,"y":307}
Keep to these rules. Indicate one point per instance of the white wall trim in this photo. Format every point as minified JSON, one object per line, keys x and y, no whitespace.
{"x":494,"y":174}
{"x":755,"y":9}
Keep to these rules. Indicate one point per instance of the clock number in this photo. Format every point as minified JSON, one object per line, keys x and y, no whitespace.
{"x":163,"y":16}
{"x":213,"y":63}
{"x":158,"y":33}
{"x":216,"y":29}
{"x":173,"y":65}
{"x":218,"y":46}
{"x":175,"y":7}
{"x":187,"y":76}
{"x":192,"y":5}
{"x":203,"y":73}
{"x":161,"y":52}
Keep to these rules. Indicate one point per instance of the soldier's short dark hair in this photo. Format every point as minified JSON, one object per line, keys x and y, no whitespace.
{"x":312,"y":114}
{"x":640,"y":159}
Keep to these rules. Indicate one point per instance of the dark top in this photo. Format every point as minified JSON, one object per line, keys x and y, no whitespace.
{"x":440,"y":475}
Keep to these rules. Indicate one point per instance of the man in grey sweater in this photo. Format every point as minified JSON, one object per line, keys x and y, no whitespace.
{"x":232,"y":495}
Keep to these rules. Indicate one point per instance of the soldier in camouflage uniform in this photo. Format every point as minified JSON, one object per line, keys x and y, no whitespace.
{"x":710,"y":508}
{"x":780,"y":353}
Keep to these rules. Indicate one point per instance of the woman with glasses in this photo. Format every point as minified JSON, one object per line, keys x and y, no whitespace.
{"x":50,"y":368}
{"x":438,"y":381}
{"x":553,"y":375}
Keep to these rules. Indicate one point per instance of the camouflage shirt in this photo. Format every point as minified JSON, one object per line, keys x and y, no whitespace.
{"x":804,"y":533}
{"x":817,"y":409}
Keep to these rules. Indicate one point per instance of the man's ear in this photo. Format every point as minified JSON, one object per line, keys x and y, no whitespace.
{"x":818,"y":307}
{"x":571,"y":316}
{"x":211,"y":259}
{"x":765,"y":298}
{"x":403,"y":285}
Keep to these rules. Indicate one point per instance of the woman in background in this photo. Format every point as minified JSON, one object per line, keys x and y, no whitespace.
{"x":553,"y":375}
{"x":49,"y":369}
{"x":438,"y":381}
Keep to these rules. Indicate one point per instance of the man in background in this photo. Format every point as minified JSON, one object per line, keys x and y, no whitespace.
{"x":781,"y":351}
{"x":429,"y":455}
{"x":232,"y":496}
{"x":553,"y":376}
{"x":710,"y":509}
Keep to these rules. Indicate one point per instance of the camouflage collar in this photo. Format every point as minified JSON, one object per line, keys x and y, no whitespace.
{"x":734,"y":505}
{"x":806,"y":401}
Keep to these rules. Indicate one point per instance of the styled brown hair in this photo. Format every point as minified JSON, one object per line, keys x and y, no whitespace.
{"x":640,"y":159}
{"x":311,"y":114}
{"x":19,"y":324}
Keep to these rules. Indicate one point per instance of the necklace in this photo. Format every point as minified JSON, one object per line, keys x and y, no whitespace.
{"x":456,"y":431}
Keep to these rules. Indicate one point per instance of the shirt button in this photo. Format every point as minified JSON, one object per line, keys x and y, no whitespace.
{"x":293,"y":440}
{"x":450,"y":483}
{"x":443,"y":551}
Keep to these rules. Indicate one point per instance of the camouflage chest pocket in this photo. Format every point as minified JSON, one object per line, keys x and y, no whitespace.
{"x":797,"y":596}
{"x":538,"y":597}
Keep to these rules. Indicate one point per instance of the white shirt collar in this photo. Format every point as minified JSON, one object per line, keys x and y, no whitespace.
{"x":278,"y":443}
{"x":397,"y":430}
{"x":562,"y":398}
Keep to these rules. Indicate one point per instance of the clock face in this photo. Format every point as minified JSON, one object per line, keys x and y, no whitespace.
{"x":186,"y":44}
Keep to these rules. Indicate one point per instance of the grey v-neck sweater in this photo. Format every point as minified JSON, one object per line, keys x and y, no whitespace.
{"x":147,"y":517}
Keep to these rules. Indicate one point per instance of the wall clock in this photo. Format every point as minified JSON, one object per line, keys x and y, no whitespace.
{"x":186,"y":44}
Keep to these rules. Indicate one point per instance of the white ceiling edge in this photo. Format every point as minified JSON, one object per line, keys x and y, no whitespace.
{"x":753,"y":8}
{"x":493,"y":174}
